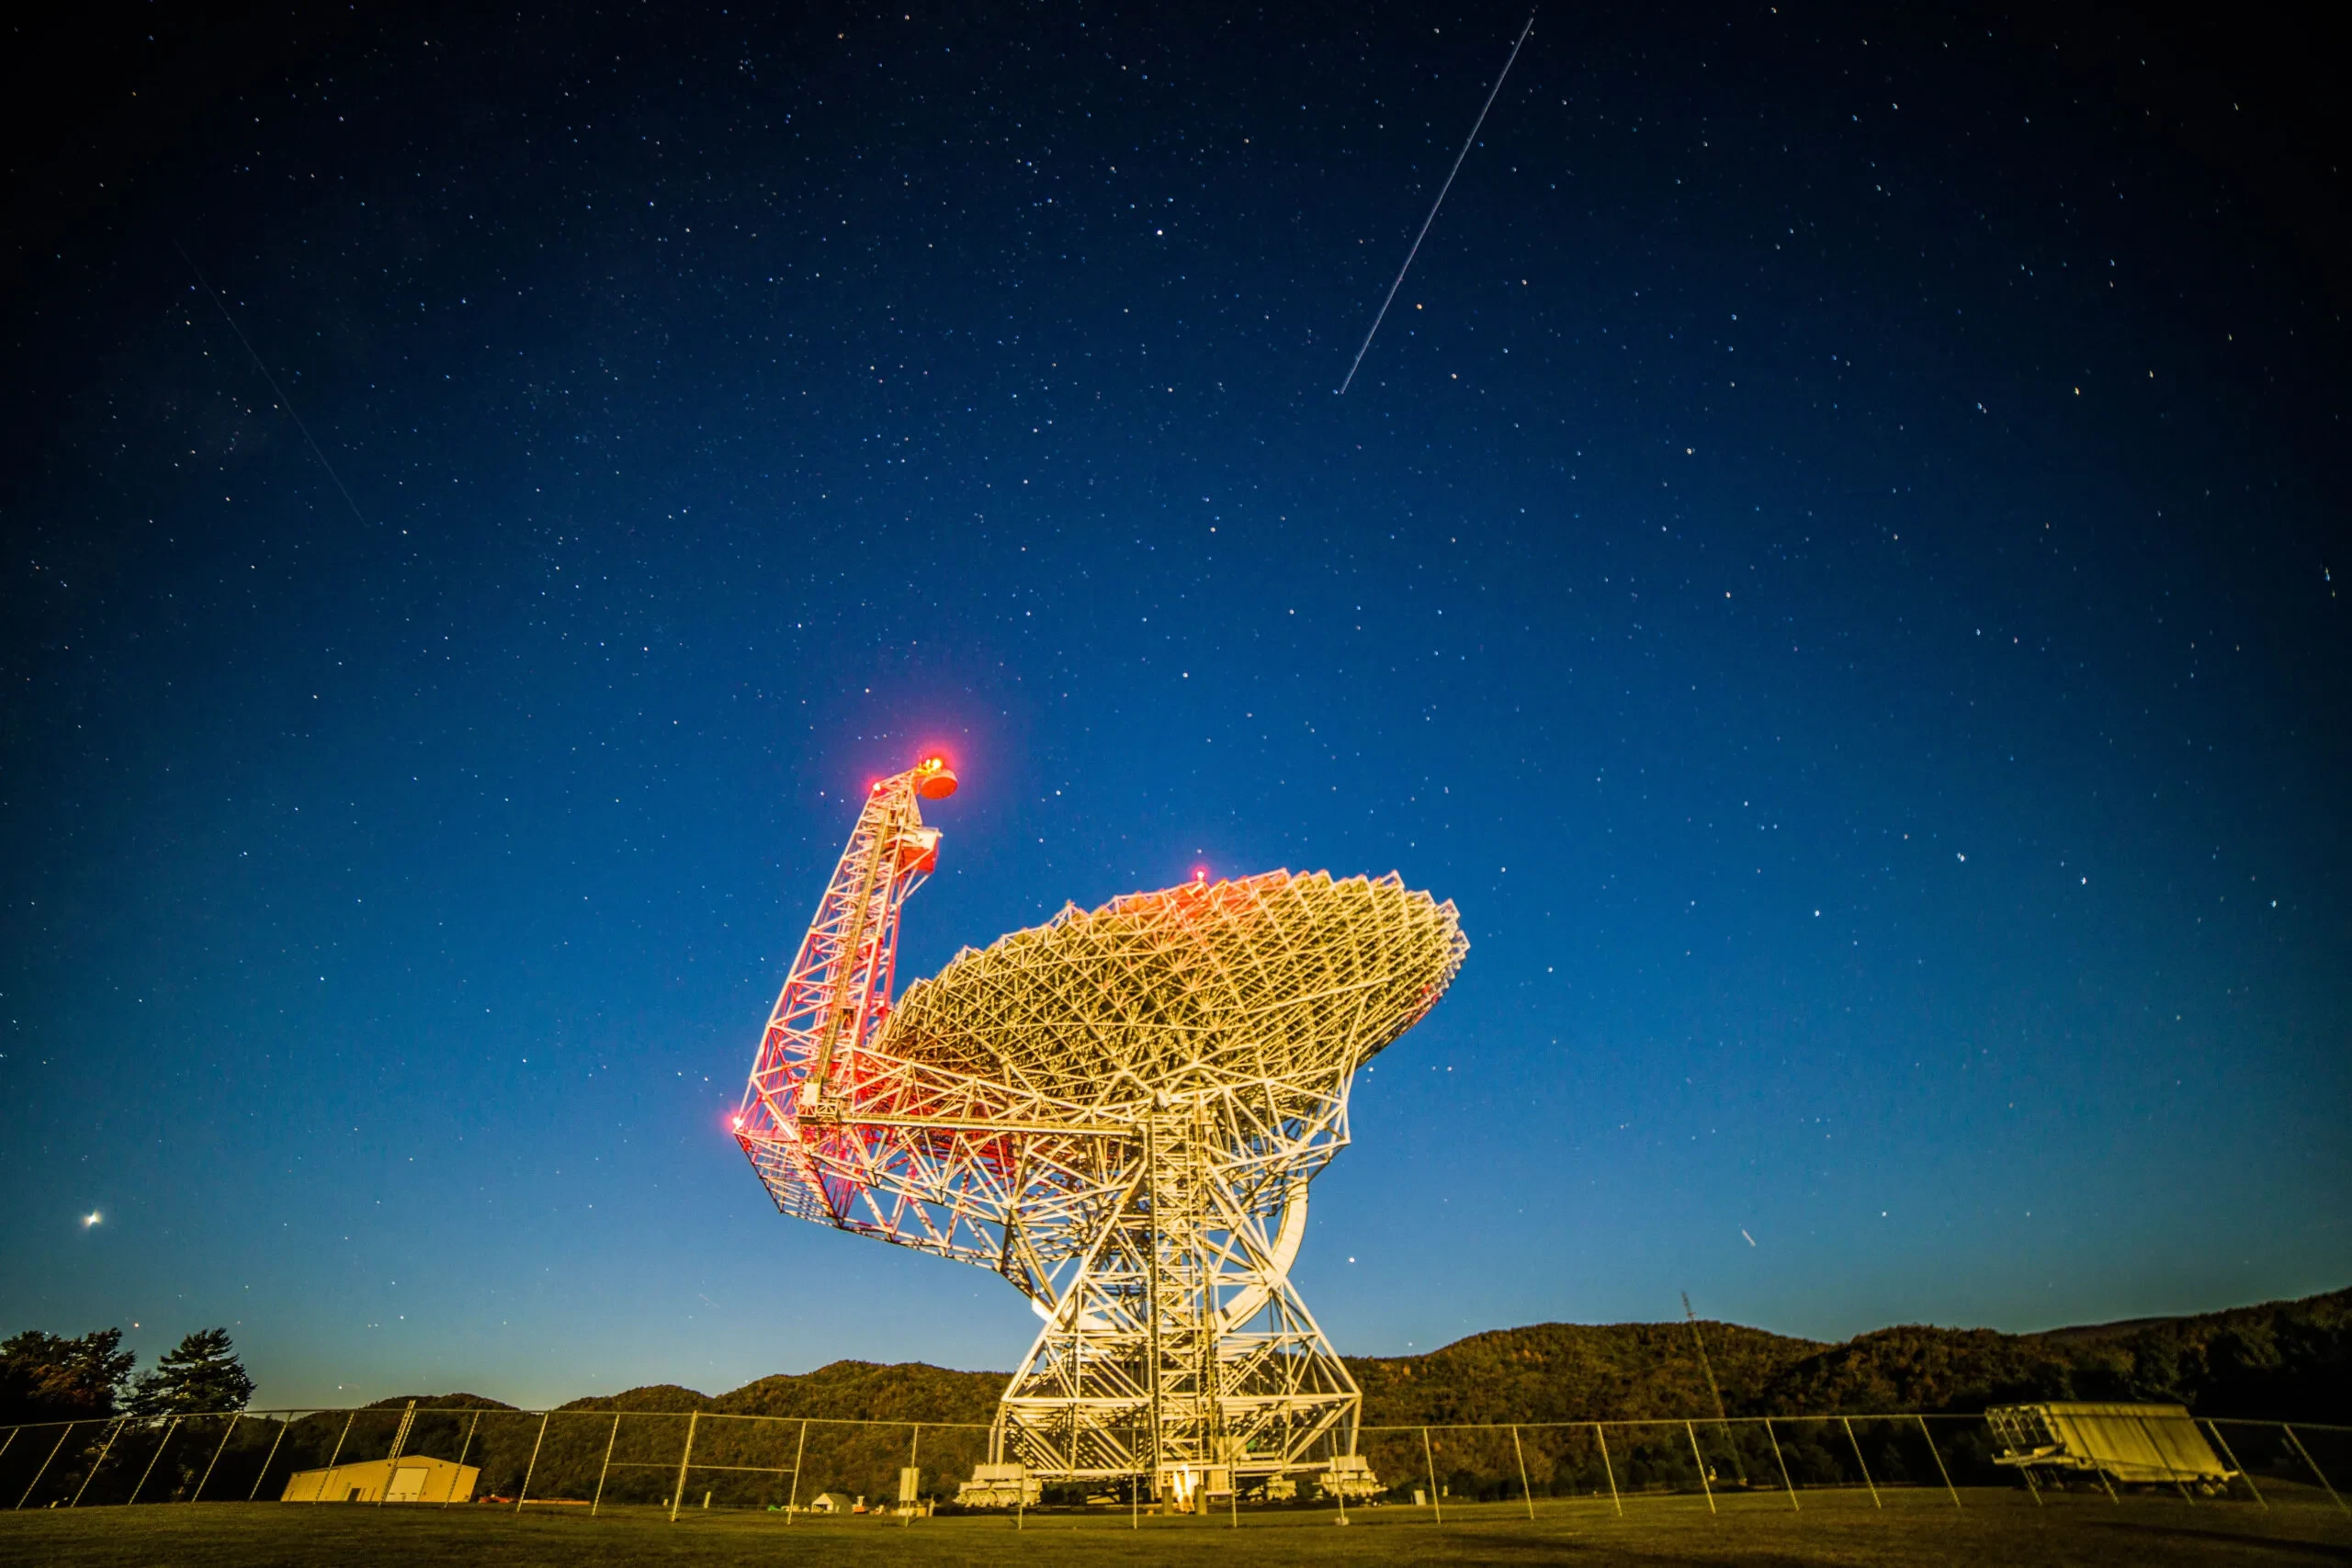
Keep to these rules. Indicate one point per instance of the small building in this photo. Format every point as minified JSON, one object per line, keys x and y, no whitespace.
{"x":836,"y":1503}
{"x":411,"y":1478}
{"x":2133,"y":1443}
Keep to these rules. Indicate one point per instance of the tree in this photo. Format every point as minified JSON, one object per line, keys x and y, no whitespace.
{"x":46,"y":1377}
{"x":202,"y":1374}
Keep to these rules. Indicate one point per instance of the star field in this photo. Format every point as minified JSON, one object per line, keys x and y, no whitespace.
{"x":1828,"y":562}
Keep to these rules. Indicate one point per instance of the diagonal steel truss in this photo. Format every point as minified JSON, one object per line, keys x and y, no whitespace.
{"x":1119,"y":1112}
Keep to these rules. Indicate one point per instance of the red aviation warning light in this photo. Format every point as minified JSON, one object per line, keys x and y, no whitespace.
{"x":934,"y":780}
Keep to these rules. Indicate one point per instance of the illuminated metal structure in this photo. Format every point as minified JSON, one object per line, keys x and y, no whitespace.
{"x":1118,"y":1110}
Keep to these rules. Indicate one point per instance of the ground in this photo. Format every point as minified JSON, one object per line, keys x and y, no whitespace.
{"x":1915,"y":1530}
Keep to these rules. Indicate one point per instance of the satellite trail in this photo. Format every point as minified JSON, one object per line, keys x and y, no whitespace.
{"x":283,"y":401}
{"x":1438,"y":203}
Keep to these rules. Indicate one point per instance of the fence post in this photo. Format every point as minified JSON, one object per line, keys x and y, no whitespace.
{"x":792,"y":1502}
{"x":2244,"y":1474}
{"x":198,"y":1495}
{"x":1939,"y":1459}
{"x":45,"y":1464}
{"x":1783,"y":1464}
{"x":400,"y":1442}
{"x":1426,"y":1458}
{"x":1863,"y":1462}
{"x":686,"y":1461}
{"x":914,"y":1445}
{"x":605,"y":1469}
{"x":532,"y":1469}
{"x":320,"y":1494}
{"x":270,"y":1458}
{"x":2172,"y":1472}
{"x":2313,"y":1462}
{"x":2030,"y":1485}
{"x":1609,"y":1469}
{"x":463,"y":1450}
{"x":1520,"y":1454}
{"x":116,"y":1431}
{"x":169,"y":1428}
{"x":1701,"y":1461}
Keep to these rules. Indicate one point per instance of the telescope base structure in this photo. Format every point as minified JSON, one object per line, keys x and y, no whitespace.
{"x":1178,"y":1351}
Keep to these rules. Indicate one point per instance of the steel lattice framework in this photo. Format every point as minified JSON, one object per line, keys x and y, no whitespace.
{"x":1118,"y":1110}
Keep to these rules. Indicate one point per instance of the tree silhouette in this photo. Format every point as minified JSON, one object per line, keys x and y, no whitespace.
{"x":203,"y":1373}
{"x":46,"y":1377}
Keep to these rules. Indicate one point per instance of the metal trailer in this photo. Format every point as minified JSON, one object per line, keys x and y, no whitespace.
{"x":2126,"y":1444}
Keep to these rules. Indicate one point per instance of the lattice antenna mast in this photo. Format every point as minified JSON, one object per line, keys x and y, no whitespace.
{"x":838,"y":992}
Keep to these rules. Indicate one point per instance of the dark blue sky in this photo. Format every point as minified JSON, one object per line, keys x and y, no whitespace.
{"x":1829,"y":563}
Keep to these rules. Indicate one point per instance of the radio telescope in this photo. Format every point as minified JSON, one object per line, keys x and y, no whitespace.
{"x":1118,"y":1110}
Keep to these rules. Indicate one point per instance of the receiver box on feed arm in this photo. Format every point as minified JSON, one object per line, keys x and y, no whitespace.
{"x":2131,"y":1443}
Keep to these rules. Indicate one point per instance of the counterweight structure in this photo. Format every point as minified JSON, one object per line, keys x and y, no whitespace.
{"x":1119,"y":1112}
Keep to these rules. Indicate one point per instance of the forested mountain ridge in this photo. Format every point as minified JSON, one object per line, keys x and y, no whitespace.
{"x":2284,"y":1360}
{"x":2279,"y":1360}
{"x":2289,"y":1360}
{"x":839,"y":1391}
{"x":1576,"y":1371}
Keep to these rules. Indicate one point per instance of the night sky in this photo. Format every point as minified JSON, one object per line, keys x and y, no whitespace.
{"x":1833,"y":562}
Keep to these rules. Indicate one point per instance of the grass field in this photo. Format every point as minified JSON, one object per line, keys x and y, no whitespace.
{"x":1911,"y":1532}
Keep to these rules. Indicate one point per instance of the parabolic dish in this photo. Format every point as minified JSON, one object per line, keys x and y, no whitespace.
{"x":1273,"y":979}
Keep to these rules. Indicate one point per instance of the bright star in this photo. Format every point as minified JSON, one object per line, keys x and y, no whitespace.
{"x":89,"y":1219}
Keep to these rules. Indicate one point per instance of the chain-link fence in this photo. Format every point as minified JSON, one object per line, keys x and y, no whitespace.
{"x":1818,"y":1461}
{"x":582,"y":1459}
{"x":589,"y":1462}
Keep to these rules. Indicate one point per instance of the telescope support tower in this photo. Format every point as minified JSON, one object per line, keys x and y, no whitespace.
{"x":1179,"y":1352}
